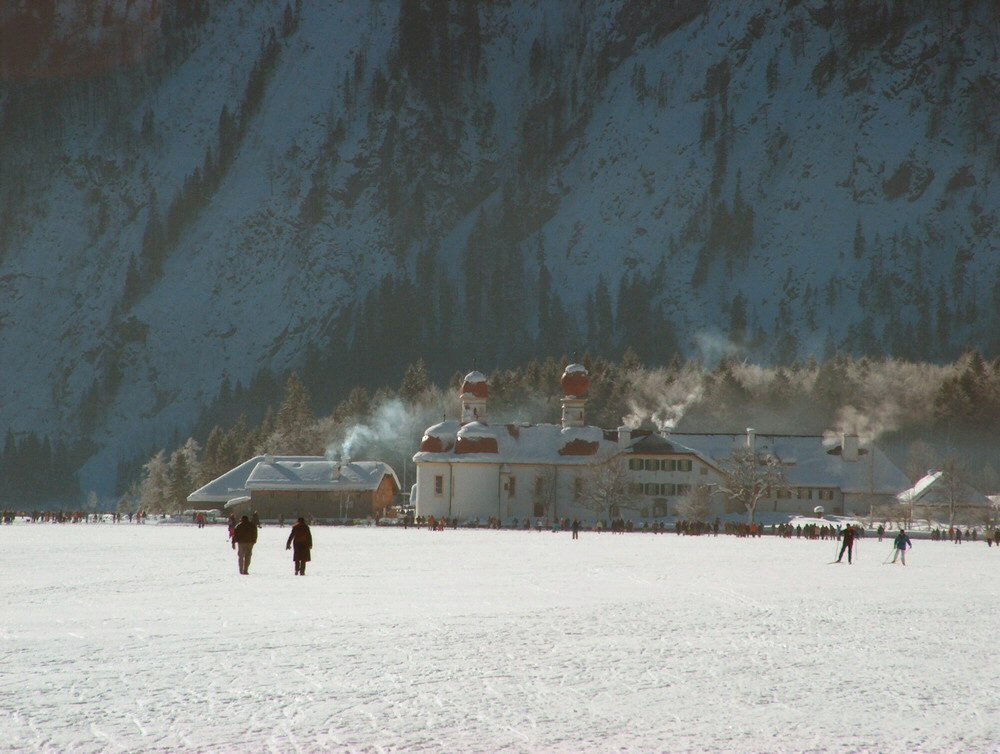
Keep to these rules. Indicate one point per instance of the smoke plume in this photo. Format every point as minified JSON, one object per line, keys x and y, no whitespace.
{"x":662,"y":400}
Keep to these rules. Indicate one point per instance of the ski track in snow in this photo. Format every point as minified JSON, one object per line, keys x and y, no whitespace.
{"x":145,"y":638}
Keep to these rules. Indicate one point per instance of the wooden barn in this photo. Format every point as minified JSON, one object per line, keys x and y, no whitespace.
{"x":317,"y":488}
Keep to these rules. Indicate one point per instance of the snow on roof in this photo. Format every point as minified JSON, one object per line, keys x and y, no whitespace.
{"x":920,"y":488}
{"x":476,"y":429}
{"x":234,"y":482}
{"x":443,"y":429}
{"x":571,"y":368}
{"x":475,"y":376}
{"x":931,"y":489}
{"x":318,"y":473}
{"x":806,"y":460}
{"x":523,"y":443}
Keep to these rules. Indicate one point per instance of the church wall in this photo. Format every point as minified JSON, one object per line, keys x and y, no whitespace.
{"x":476,"y":490}
{"x":433,"y":489}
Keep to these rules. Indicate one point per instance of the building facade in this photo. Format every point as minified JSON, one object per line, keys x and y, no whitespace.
{"x":469,"y":469}
{"x":314,"y":487}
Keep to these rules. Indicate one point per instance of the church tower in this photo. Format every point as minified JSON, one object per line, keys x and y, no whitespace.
{"x":474,"y":395}
{"x":574,"y":383}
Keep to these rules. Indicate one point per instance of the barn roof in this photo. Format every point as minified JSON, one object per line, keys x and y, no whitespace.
{"x":319,"y":474}
{"x":233,"y":483}
{"x":292,"y":473}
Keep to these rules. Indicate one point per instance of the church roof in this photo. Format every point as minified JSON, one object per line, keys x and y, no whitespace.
{"x":516,"y":443}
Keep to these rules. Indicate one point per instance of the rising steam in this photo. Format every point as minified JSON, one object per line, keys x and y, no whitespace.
{"x":662,"y":400}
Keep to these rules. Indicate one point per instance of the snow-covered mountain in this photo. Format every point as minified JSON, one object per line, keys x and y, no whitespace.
{"x":205,"y":189}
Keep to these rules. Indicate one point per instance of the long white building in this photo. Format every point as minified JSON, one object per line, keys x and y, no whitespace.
{"x":470,"y":469}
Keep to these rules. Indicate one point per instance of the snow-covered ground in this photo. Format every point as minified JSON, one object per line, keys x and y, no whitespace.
{"x":145,"y":638}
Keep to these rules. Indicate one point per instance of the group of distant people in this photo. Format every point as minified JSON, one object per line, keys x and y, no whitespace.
{"x":70,"y":517}
{"x":243,"y":536}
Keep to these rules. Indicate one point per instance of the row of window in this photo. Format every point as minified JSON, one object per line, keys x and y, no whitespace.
{"x":660,"y":490}
{"x":804,"y":493}
{"x":654,"y":488}
{"x":659,"y":464}
{"x":511,"y":486}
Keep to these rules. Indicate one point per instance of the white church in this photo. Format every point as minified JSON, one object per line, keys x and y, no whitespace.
{"x":470,"y":469}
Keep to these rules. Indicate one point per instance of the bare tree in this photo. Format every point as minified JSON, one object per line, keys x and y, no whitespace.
{"x":748,"y":477}
{"x":952,"y":487}
{"x":696,"y":505}
{"x":605,"y":487}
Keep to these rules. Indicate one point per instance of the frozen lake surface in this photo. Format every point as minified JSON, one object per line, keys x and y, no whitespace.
{"x":145,"y":638}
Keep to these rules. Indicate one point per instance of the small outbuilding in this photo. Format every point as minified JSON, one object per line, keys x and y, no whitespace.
{"x":948,"y":497}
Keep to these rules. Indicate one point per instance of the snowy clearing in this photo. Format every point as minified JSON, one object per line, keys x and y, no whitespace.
{"x":145,"y":638}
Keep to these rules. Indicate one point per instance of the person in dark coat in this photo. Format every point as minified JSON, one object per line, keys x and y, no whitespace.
{"x":244,"y":538}
{"x":848,"y":544}
{"x":301,"y":539}
{"x":901,"y":542}
{"x":576,"y":528}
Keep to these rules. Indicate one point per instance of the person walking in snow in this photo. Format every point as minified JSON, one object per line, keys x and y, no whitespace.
{"x":244,"y":538}
{"x":848,"y":537}
{"x":301,"y":539}
{"x":576,"y":528}
{"x":900,"y":543}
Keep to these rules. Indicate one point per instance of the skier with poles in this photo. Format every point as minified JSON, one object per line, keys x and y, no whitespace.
{"x":900,"y":543}
{"x":848,"y":537}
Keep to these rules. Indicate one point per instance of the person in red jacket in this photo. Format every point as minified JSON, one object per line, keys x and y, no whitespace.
{"x":301,"y":538}
{"x":848,"y":543}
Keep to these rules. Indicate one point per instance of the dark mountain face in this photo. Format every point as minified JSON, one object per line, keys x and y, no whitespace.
{"x":206,"y":190}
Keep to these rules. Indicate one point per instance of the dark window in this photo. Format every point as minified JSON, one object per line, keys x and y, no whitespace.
{"x":439,"y":485}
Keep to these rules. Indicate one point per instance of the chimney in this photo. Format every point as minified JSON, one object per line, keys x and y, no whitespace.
{"x":624,"y":437}
{"x":752,"y":439}
{"x":849,"y":447}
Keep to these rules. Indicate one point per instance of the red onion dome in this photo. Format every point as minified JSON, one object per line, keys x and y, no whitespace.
{"x":575,"y":381}
{"x":475,"y":384}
